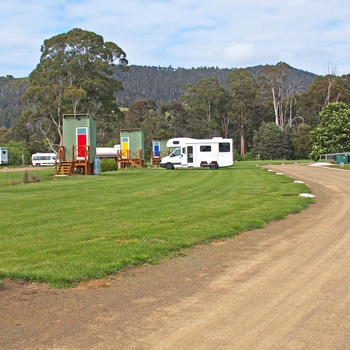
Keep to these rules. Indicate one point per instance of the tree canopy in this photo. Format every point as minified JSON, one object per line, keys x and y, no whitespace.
{"x":332,"y":135}
{"x":243,"y":102}
{"x":74,"y":76}
{"x":272,"y":142}
{"x":205,"y":103}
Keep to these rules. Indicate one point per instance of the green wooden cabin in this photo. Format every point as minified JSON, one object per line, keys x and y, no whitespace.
{"x":159,"y":150}
{"x":78,"y":151}
{"x":132,"y":144}
{"x":79,"y":131}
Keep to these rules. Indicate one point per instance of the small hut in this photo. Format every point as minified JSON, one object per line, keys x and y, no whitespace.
{"x":77,"y":154}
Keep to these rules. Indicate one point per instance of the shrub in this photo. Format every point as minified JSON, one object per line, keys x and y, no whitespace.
{"x":236,"y":155}
{"x":248,"y":156}
{"x":17,"y":153}
{"x":27,"y":178}
{"x":108,"y":165}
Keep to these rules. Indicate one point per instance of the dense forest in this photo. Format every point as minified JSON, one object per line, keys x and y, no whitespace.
{"x":167,"y":84}
{"x":11,"y":105}
{"x":162,"y":85}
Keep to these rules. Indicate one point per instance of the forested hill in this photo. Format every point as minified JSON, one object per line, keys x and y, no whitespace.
{"x":166,"y":84}
{"x":11,"y":107}
{"x":139,"y":82}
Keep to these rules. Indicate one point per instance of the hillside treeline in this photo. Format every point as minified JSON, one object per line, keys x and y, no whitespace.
{"x":269,"y":111}
{"x":160,"y":84}
{"x":167,"y":84}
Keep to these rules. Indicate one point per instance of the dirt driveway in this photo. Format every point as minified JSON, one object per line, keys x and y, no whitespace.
{"x":286,"y":286}
{"x":25,"y":168}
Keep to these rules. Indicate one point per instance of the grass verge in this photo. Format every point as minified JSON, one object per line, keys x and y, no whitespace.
{"x":77,"y":228}
{"x":17,"y":176}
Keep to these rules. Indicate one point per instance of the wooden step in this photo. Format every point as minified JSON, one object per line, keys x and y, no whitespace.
{"x":138,"y":163}
{"x":64,"y":168}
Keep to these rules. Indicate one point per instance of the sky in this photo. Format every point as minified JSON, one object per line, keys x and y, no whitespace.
{"x":311,"y":35}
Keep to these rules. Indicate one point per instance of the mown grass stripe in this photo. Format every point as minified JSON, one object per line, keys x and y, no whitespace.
{"x":66,"y":230}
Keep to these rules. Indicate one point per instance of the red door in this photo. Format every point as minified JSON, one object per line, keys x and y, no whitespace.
{"x":81,"y":134}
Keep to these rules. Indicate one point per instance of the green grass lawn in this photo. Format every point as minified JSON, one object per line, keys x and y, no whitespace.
{"x":67,"y":229}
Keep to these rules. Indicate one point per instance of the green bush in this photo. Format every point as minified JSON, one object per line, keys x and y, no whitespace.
{"x":108,"y":165}
{"x":17,"y":153}
{"x":236,"y":155}
{"x":249,"y":156}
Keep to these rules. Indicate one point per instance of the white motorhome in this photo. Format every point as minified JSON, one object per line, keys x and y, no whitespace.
{"x":3,"y":155}
{"x":196,"y":153}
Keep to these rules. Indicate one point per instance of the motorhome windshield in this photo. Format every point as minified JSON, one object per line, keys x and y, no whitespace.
{"x":176,"y":152}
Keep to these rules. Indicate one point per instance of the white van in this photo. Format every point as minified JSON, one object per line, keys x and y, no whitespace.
{"x":199,"y":153}
{"x":39,"y":159}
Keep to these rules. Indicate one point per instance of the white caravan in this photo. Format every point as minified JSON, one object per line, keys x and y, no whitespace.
{"x":196,"y":153}
{"x":3,"y":155}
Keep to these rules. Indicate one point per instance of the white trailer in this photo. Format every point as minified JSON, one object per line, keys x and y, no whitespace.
{"x":4,"y":155}
{"x":199,"y":153}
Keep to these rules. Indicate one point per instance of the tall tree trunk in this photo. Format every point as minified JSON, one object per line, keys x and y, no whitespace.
{"x":242,"y":146}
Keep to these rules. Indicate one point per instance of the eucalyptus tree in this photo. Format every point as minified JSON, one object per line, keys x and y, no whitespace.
{"x":243,"y":101}
{"x":344,"y":82}
{"x":74,"y":76}
{"x":275,"y":83}
{"x":321,"y":92}
{"x":206,"y":102}
{"x":177,"y":119}
{"x":139,"y":111}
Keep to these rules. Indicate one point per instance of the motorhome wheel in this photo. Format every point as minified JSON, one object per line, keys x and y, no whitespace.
{"x":169,"y":166}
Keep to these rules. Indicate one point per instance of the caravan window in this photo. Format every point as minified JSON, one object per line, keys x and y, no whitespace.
{"x":205,"y":148}
{"x":224,"y":147}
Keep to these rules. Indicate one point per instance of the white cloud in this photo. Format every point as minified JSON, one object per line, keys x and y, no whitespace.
{"x":307,"y":34}
{"x":240,"y":54}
